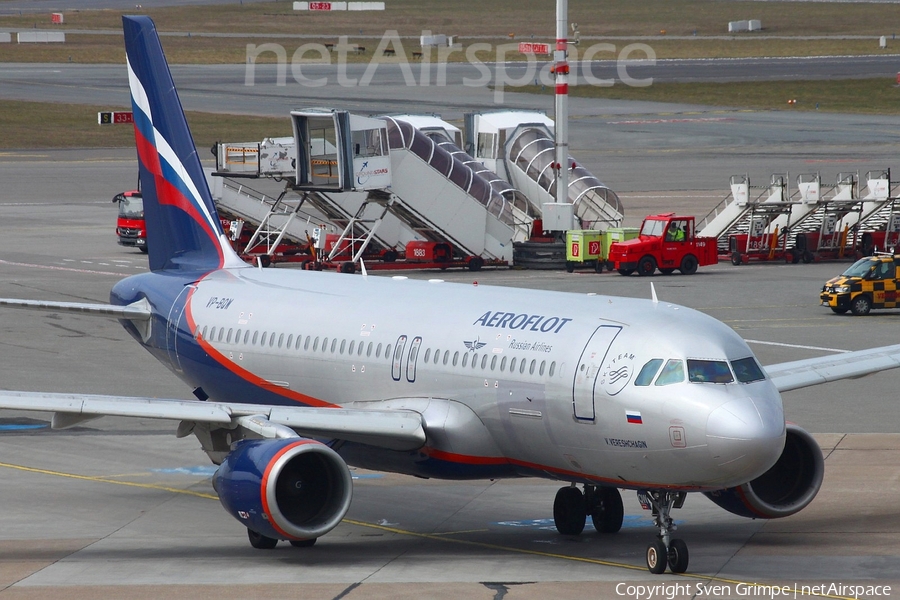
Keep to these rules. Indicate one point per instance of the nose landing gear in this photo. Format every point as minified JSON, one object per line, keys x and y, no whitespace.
{"x":665,"y":551}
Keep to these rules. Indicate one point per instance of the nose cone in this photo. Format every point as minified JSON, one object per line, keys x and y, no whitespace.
{"x":745,"y":437}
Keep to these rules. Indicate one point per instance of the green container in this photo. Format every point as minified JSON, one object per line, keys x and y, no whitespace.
{"x":617,"y":234}
{"x":583,"y":245}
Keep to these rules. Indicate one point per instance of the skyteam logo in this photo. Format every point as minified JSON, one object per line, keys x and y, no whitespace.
{"x":617,"y":373}
{"x":522,"y":321}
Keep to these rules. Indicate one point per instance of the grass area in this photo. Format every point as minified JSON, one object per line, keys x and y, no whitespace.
{"x":865,"y":96}
{"x":704,"y":21}
{"x":499,"y":18}
{"x":52,"y":125}
{"x":39,"y":124}
{"x":104,"y":49}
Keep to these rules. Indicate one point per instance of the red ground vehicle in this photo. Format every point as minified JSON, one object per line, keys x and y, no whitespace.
{"x":666,"y":242}
{"x":130,"y":225}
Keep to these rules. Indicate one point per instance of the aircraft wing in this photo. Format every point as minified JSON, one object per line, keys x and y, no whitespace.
{"x":813,"y":371}
{"x":393,"y":429}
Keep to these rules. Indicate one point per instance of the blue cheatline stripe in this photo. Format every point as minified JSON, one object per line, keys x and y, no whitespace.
{"x":13,"y":427}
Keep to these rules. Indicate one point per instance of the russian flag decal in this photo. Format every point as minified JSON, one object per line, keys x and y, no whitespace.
{"x":634,"y":416}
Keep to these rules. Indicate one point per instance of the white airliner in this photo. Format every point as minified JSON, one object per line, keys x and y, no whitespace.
{"x":299,"y":374}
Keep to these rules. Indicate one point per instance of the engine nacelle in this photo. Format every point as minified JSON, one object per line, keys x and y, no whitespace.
{"x":288,"y":489}
{"x":783,"y":490}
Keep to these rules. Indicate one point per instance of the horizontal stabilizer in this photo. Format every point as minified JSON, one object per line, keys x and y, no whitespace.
{"x":139,"y":311}
{"x":813,"y":371}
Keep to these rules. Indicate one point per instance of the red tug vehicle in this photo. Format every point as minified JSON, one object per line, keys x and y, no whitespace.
{"x":666,"y":242}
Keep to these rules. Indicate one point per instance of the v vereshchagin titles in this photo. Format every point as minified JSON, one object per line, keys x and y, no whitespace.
{"x":708,"y":589}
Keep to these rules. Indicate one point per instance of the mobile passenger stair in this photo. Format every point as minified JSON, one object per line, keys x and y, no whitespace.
{"x":519,"y":146}
{"x":810,"y":224}
{"x":741,"y":222}
{"x":385,"y":184}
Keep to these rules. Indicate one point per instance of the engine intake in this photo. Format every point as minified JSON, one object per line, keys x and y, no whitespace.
{"x":294,"y":489}
{"x":787,"y":488}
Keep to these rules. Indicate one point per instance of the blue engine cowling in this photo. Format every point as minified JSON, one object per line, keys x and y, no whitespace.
{"x":287,"y":489}
{"x":788,"y":487}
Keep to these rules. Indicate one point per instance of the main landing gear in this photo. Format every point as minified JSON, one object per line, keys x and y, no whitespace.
{"x":665,"y":551}
{"x":571,"y":507}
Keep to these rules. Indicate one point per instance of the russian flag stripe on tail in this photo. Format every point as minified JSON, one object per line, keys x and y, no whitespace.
{"x":183,"y":229}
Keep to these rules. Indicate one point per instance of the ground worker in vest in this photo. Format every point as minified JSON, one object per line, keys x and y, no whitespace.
{"x":675,"y":233}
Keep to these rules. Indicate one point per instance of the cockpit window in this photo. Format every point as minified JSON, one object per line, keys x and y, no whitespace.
{"x":709,"y":371}
{"x":648,"y":372}
{"x":673,"y":372}
{"x":747,"y":370}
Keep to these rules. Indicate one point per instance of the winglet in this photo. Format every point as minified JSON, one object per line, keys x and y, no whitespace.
{"x":183,"y":228}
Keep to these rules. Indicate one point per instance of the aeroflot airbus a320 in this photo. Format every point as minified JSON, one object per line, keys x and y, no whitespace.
{"x":577,"y":388}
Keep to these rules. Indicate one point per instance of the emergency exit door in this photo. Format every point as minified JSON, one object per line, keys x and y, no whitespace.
{"x":588,"y":368}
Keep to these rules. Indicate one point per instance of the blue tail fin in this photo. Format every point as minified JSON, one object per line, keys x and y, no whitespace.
{"x":183,"y":228}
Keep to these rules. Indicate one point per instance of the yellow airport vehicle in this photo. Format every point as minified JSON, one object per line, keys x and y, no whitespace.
{"x":871,"y":282}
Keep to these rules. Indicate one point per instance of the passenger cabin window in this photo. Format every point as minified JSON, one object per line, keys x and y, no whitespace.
{"x":747,"y":370}
{"x":709,"y":371}
{"x":648,"y":372}
{"x":673,"y":372}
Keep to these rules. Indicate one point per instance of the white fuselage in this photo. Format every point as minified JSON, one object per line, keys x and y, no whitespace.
{"x":542,"y":382}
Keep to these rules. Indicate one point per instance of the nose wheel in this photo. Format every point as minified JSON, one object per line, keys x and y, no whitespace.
{"x":665,"y":551}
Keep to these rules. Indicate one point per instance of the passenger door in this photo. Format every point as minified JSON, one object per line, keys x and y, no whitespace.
{"x":588,"y":368}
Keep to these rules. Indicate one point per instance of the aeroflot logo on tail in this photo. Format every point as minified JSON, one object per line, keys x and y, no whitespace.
{"x":521,"y":321}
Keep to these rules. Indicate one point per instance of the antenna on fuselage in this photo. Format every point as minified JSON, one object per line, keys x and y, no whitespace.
{"x":362,"y":268}
{"x":653,"y":294}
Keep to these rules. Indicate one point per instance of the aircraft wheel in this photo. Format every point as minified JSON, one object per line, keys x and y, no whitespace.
{"x":607,"y":512}
{"x":569,"y":513}
{"x":657,"y":557}
{"x":304,"y":543}
{"x":678,"y":556}
{"x":646,"y":266}
{"x":861,"y":305}
{"x":689,"y":265}
{"x":260,"y":541}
